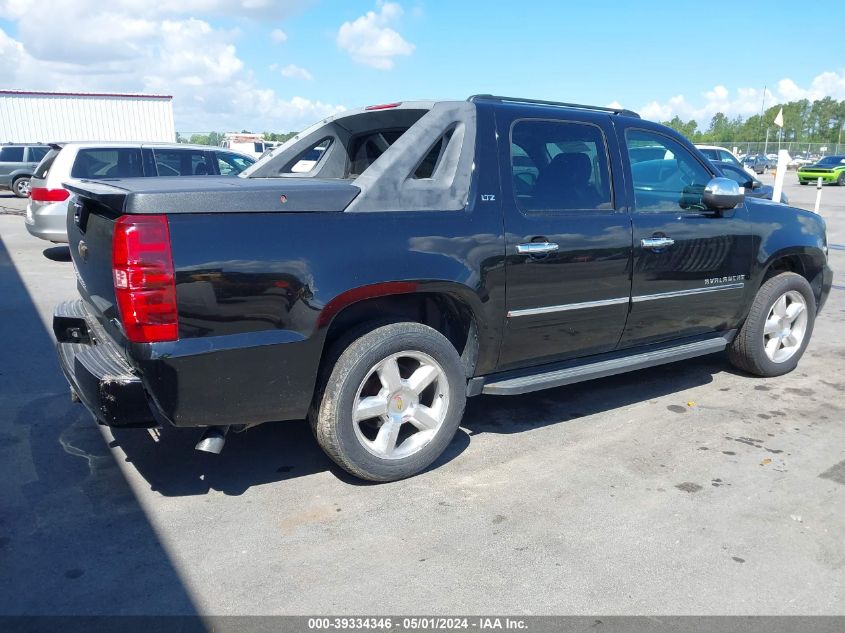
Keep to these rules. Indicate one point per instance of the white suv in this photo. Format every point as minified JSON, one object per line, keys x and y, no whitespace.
{"x":46,"y":213}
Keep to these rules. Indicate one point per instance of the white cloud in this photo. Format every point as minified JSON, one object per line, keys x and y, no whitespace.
{"x":370,"y":40}
{"x":744,"y":102}
{"x":278,"y":36}
{"x":297,"y":72}
{"x":137,"y":46}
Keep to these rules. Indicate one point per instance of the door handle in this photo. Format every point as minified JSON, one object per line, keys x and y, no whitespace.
{"x":536,"y":248}
{"x":656,"y":242}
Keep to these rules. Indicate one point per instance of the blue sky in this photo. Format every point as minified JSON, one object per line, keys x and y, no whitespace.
{"x":276,"y":65}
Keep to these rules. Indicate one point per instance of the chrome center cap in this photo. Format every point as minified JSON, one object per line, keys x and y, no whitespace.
{"x":402,"y":401}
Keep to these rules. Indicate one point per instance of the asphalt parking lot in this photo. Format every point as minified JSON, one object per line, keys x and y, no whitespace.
{"x":685,"y":489}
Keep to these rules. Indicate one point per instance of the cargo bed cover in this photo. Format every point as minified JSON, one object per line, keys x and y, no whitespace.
{"x":217,"y":194}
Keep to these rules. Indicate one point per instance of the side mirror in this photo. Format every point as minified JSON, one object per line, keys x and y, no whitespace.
{"x":756,"y":184}
{"x":722,"y":194}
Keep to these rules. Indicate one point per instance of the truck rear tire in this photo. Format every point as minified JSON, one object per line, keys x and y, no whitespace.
{"x":392,"y":403}
{"x":778,"y":328}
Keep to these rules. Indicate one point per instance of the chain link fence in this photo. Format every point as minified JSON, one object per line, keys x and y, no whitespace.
{"x":796,"y":149}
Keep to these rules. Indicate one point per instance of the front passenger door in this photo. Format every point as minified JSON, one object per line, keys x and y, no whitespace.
{"x":690,"y":264}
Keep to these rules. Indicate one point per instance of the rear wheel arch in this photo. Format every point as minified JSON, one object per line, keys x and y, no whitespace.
{"x":445,"y":312}
{"x":16,"y":182}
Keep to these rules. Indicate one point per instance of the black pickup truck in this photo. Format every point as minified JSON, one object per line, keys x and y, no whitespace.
{"x":389,"y":262}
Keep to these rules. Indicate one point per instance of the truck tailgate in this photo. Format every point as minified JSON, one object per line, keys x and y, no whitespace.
{"x":89,"y":229}
{"x":97,"y":205}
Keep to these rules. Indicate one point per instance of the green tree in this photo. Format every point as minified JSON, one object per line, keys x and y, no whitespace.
{"x":687,"y":128}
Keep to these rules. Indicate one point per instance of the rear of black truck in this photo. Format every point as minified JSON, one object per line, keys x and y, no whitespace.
{"x":128,"y":347}
{"x":207,"y":301}
{"x":126,"y":281}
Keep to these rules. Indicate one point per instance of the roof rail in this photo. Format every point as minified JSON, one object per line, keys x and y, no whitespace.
{"x":562,"y":104}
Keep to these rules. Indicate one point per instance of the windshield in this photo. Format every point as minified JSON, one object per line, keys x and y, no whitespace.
{"x":831,"y":161}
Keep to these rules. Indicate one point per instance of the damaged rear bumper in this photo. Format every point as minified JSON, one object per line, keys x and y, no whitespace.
{"x":97,"y":371}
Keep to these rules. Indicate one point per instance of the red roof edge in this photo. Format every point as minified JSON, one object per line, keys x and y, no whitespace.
{"x":41,"y":93}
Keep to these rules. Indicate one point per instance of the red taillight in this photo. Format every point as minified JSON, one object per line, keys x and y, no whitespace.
{"x":384,"y":106}
{"x":42,"y":194}
{"x":144,"y":282}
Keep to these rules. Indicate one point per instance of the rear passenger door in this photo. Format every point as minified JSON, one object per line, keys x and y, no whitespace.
{"x":568,"y":242}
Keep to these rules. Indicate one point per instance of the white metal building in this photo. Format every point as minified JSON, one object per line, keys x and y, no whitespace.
{"x":32,"y":117}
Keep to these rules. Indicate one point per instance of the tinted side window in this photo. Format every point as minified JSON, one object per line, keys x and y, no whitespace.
{"x":181,"y":162}
{"x":431,"y":160}
{"x":524,"y":171}
{"x":668,"y":184}
{"x":11,"y":155}
{"x":232,"y":164}
{"x":559,"y":166}
{"x":36,"y":154}
{"x":122,"y":162}
{"x":737,"y":174}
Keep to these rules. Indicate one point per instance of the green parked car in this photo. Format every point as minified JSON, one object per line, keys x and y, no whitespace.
{"x":831,"y":169}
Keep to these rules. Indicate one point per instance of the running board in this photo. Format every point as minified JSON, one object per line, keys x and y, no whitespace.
{"x":599,"y":369}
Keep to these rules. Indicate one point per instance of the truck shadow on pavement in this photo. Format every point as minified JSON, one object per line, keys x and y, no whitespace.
{"x":279,"y":451}
{"x":513,"y":414}
{"x":269,"y":453}
{"x":73,"y":537}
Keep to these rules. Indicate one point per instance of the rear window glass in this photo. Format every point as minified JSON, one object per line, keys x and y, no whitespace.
{"x":122,"y":162}
{"x":44,"y":166}
{"x":180,"y":162}
{"x":11,"y":155}
{"x":366,"y":149}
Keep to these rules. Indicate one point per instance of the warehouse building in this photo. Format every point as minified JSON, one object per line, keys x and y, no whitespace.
{"x":43,"y":117}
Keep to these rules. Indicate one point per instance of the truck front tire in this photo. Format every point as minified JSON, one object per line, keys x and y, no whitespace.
{"x":392,"y":402}
{"x":778,"y":328}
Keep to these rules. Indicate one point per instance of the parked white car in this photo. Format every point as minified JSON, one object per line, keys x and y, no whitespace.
{"x":722,"y":154}
{"x":46,"y":213}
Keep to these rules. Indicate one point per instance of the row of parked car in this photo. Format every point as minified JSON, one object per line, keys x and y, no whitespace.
{"x":40,"y":172}
{"x":743,"y":171}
